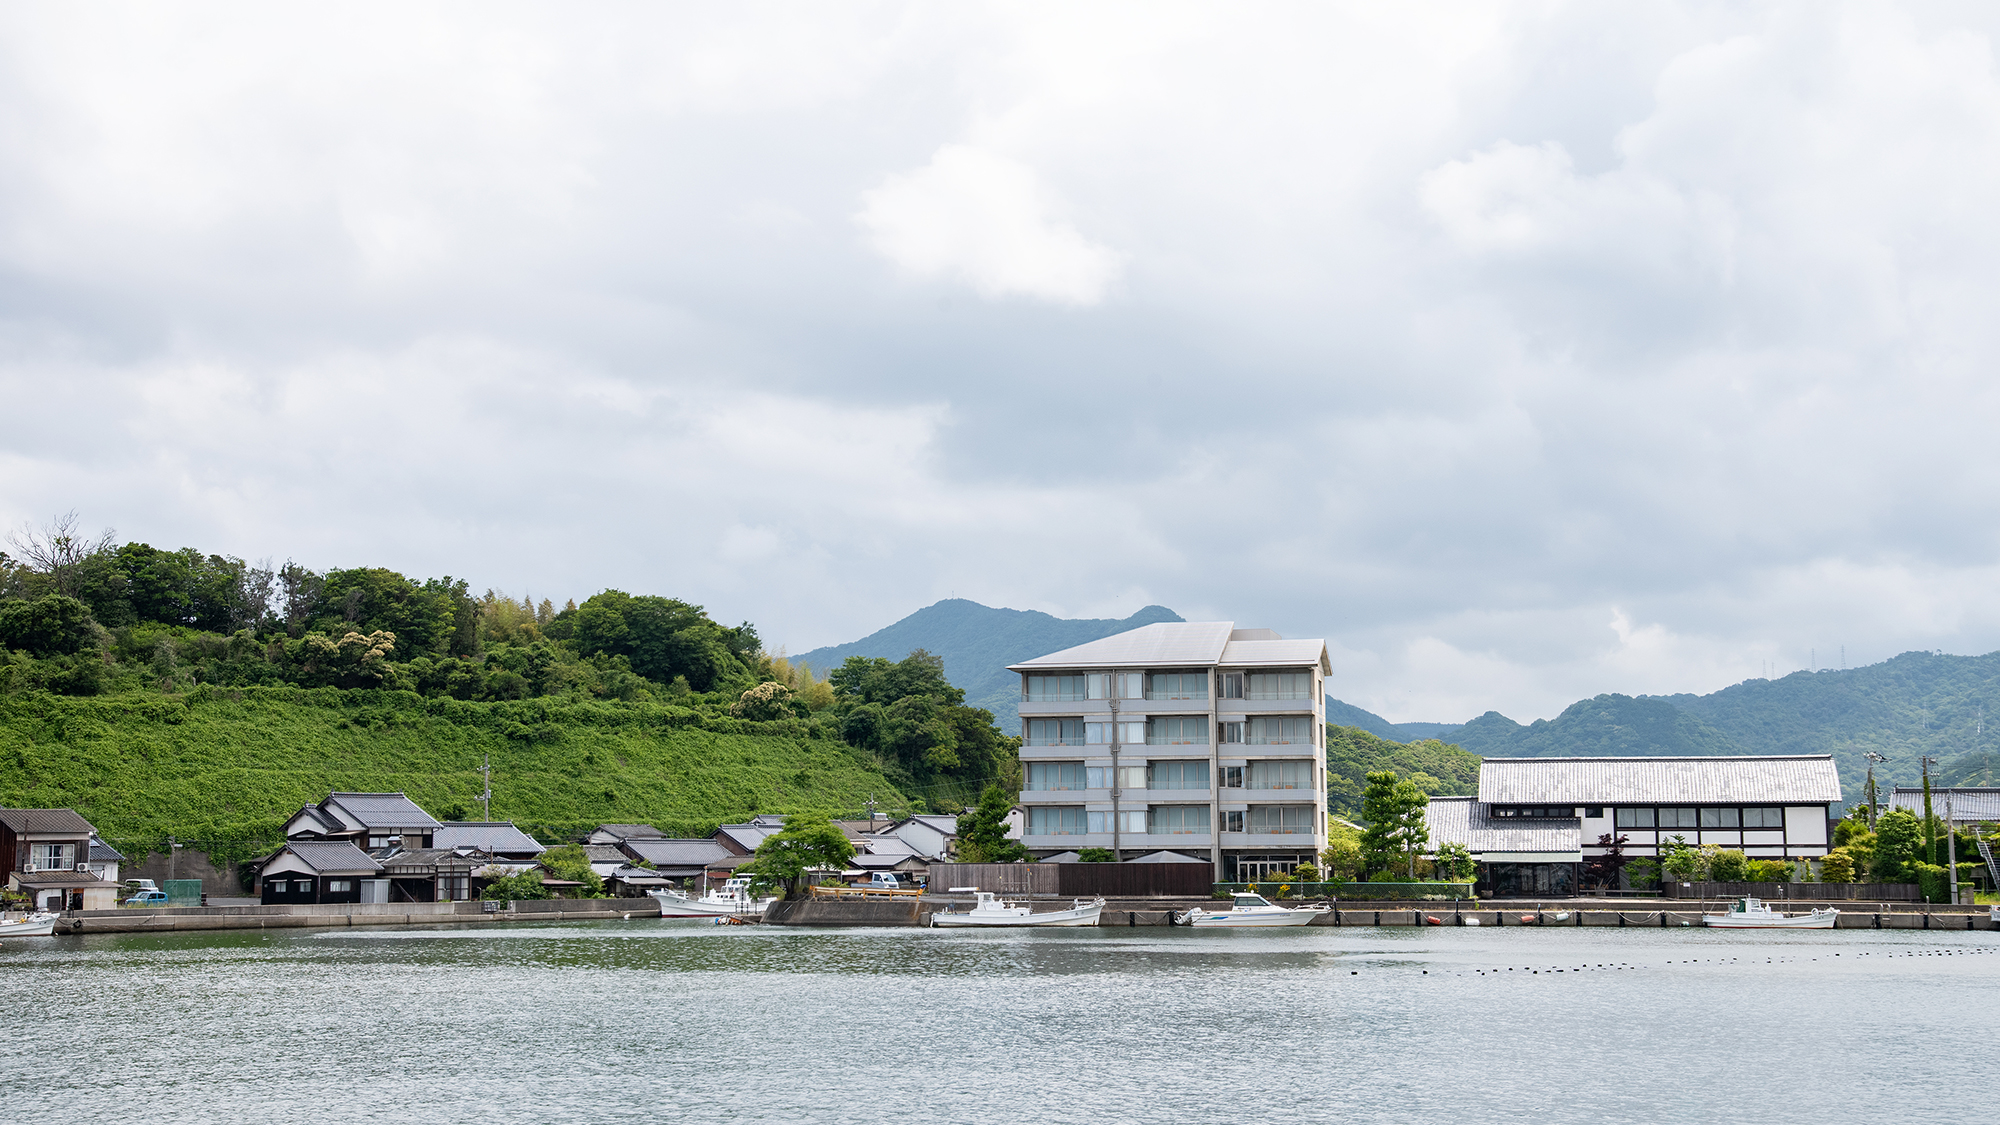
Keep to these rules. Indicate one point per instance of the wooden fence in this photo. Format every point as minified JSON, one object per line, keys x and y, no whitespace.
{"x":1858,"y":892}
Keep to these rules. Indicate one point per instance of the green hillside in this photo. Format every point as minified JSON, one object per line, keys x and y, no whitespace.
{"x":977,"y":643}
{"x":1353,"y":753}
{"x":1606,"y":725}
{"x":222,"y":769}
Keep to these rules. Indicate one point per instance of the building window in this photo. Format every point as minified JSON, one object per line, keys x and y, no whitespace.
{"x":1056,"y":689}
{"x":1280,"y":820}
{"x":1178,"y":775}
{"x":276,"y":886}
{"x":1232,"y":821}
{"x":302,"y":886}
{"x":1061,"y":820}
{"x":1177,"y":685}
{"x":1176,"y":819}
{"x":1679,"y":818}
{"x":1281,"y":685}
{"x":339,"y":886}
{"x":1763,"y":818}
{"x":1097,"y":734}
{"x":1634,"y":818}
{"x":1720,"y":818}
{"x":1132,"y":822}
{"x":1129,"y":685}
{"x":1281,"y":775}
{"x":1100,"y":823}
{"x":1054,"y":732}
{"x":1178,"y":730}
{"x":1044,"y":776}
{"x":1230,"y":777}
{"x":1097,"y":777}
{"x":378,"y":842}
{"x":1540,"y":812}
{"x":1281,"y":730}
{"x":1232,"y":685}
{"x":1132,"y":776}
{"x":1132,"y":733}
{"x":1594,"y":812}
{"x":1231,"y":732}
{"x":54,"y":857}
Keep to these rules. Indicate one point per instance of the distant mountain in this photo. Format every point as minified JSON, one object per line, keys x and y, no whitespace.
{"x":1607,"y":725}
{"x":1348,"y":715}
{"x":977,"y":643}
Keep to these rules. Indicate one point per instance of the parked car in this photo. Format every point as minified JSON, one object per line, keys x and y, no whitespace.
{"x":884,"y":881}
{"x":148,"y":898}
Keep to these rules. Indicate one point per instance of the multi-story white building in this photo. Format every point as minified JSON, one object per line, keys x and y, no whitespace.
{"x":1191,"y":737}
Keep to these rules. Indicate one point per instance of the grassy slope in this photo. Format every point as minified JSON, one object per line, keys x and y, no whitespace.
{"x":223,"y":769}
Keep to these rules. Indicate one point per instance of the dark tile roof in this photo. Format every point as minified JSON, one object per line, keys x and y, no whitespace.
{"x":487,"y":835}
{"x":603,"y":853}
{"x":378,"y":810}
{"x":631,"y":831}
{"x":59,"y":879}
{"x":1467,"y":820}
{"x":676,"y":853}
{"x":332,"y":857}
{"x":101,"y":852}
{"x":426,"y":861}
{"x":53,"y":822}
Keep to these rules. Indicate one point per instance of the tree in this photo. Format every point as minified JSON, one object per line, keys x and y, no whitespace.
{"x":1682,"y":860}
{"x":506,"y":888}
{"x":1342,"y":861}
{"x":763,"y":703}
{"x":1897,"y":836}
{"x":55,"y":625}
{"x":1728,"y":865}
{"x":1836,"y":867}
{"x":808,"y":843}
{"x":1603,"y":869}
{"x":570,"y":863}
{"x":982,"y":832}
{"x":1455,"y":863}
{"x":1096,"y":855}
{"x":1396,"y":832}
{"x":58,"y":549}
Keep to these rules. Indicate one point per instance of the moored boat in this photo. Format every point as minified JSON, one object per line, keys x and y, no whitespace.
{"x":40,"y":924}
{"x":731,"y":899}
{"x":1751,"y":914}
{"x":1246,"y":909}
{"x":989,"y":910}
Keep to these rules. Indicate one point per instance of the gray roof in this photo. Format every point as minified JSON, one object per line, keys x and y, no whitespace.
{"x":377,"y":810}
{"x":1967,"y":803}
{"x":630,"y":831}
{"x":333,"y":857}
{"x":1467,"y":820}
{"x":1275,"y":653}
{"x":498,"y":837}
{"x":1165,"y":644}
{"x":603,"y":853}
{"x":676,"y":853}
{"x":748,"y":836}
{"x":425,"y":860}
{"x":1775,"y":779}
{"x":101,"y":852}
{"x":1166,"y":857}
{"x":50,"y":822}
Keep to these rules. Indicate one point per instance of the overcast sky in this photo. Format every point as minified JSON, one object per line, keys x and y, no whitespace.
{"x":1524,"y":352}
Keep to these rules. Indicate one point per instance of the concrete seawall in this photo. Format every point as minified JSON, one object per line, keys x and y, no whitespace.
{"x":175,"y":919}
{"x":844,"y":912}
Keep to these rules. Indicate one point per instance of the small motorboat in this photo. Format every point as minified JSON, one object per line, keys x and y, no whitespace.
{"x":1248,"y":909}
{"x":1751,"y":914}
{"x":1994,"y":915}
{"x":989,"y":910}
{"x":731,"y":899}
{"x":39,"y":924}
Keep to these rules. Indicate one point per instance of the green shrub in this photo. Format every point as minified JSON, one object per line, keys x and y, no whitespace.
{"x":1770,"y":870}
{"x":1727,"y":865}
{"x":1642,"y":874}
{"x":1837,"y":867}
{"x":1932,"y":882}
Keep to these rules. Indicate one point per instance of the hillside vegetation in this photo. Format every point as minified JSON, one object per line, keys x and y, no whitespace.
{"x":1437,"y":768}
{"x":222,"y":769}
{"x":977,"y":643}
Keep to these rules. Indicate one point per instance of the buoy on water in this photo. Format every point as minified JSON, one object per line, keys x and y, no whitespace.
{"x":1433,"y":920}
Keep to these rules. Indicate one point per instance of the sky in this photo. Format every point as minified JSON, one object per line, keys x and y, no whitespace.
{"x":1523,"y":351}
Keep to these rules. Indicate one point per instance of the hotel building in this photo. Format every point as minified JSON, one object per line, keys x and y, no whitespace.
{"x":1193,"y":740}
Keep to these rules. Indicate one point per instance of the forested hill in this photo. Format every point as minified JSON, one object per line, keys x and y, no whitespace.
{"x":977,"y":644}
{"x":1916,"y":704}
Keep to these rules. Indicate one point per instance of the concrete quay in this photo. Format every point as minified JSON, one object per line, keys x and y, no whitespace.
{"x":186,"y":918}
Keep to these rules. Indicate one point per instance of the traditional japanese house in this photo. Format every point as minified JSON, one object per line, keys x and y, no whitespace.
{"x":316,"y":871}
{"x":48,"y":856}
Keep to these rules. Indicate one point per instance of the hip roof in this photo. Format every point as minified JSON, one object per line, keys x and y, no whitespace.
{"x":1741,"y":779}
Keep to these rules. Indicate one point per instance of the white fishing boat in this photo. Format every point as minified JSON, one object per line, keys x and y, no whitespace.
{"x":731,"y":899}
{"x":989,"y":910}
{"x":1752,"y":914}
{"x":1248,"y":909}
{"x":41,"y":924}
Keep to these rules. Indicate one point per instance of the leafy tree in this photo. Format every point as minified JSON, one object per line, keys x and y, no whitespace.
{"x":767,"y":701}
{"x":1836,"y":867}
{"x":1602,"y":870}
{"x":1727,"y":865}
{"x":982,"y":831}
{"x":1682,"y":860}
{"x":372,"y":599}
{"x":1353,"y":753}
{"x":1342,"y":860}
{"x":808,"y":843}
{"x":1394,"y":810}
{"x":55,"y":625}
{"x":520,"y":885}
{"x":1897,"y":836}
{"x":1642,"y":874}
{"x":570,"y":863}
{"x":1455,"y":863}
{"x":1096,"y":855}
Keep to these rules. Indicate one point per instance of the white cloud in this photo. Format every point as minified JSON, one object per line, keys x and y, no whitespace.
{"x":983,"y":219}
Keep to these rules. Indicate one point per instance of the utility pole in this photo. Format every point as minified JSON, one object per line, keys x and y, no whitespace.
{"x":1950,"y":847}
{"x":1930,"y":833}
{"x":486,"y":793}
{"x":1870,"y":793}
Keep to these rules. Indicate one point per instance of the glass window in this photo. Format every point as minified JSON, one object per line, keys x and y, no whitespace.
{"x":1232,"y":685}
{"x":1100,"y":823}
{"x":1281,"y":820}
{"x":277,"y":886}
{"x":302,"y":886}
{"x":1281,"y":775}
{"x":1719,"y":818}
{"x":1043,"y":776}
{"x":1098,"y":685}
{"x":1054,"y":732}
{"x":1055,"y":820}
{"x":1281,"y":730}
{"x":1281,"y":685}
{"x":1132,"y":777}
{"x":1178,"y":730}
{"x":1097,"y":734}
{"x":1097,"y":777}
{"x":1130,"y":685}
{"x":1132,"y":821}
{"x":1177,"y":685}
{"x":1231,"y":732}
{"x":1231,"y":777}
{"x":339,"y":886}
{"x":55,"y":857}
{"x":1634,"y":818}
{"x":1232,"y":821}
{"x":1132,"y":733}
{"x":1678,"y":818}
{"x":1055,"y":689}
{"x":1763,"y":818}
{"x":1177,"y":818}
{"x":1178,"y":775}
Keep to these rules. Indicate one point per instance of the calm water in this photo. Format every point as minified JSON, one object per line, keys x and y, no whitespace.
{"x":631,"y":1021}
